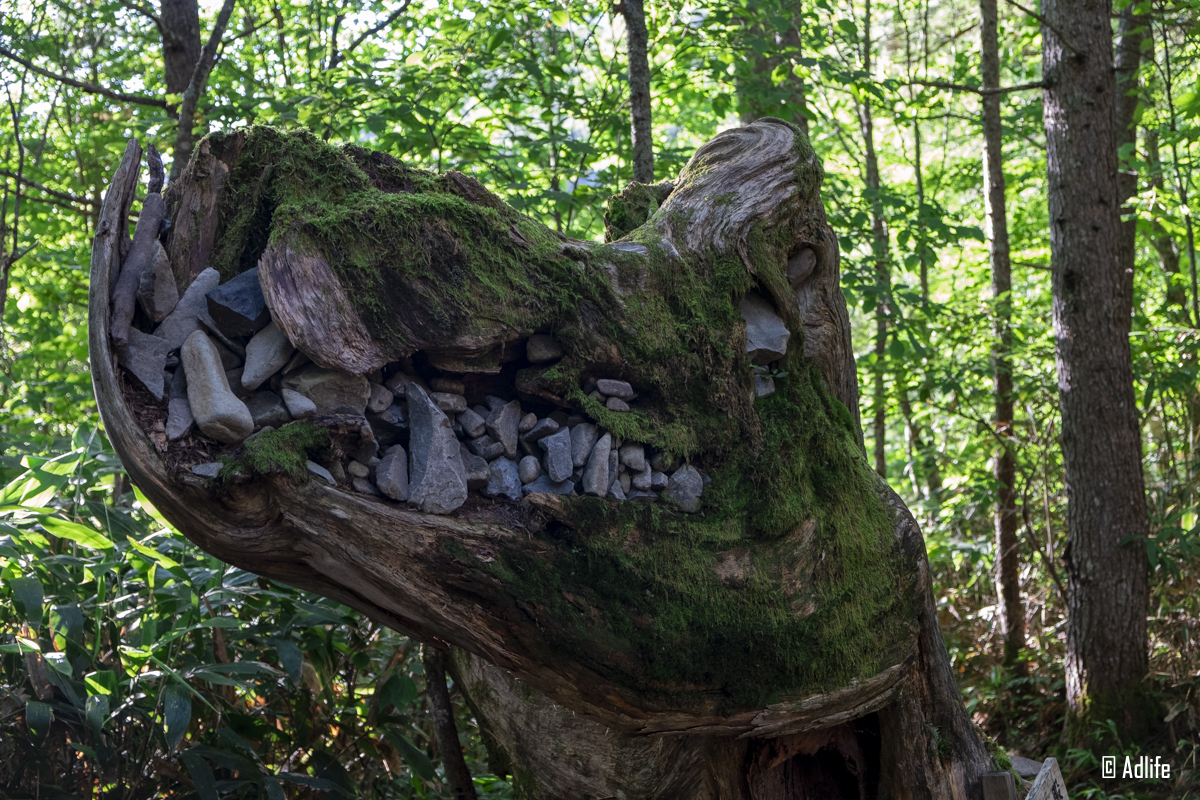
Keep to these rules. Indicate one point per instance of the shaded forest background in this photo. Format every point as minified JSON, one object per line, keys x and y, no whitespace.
{"x":133,"y":665}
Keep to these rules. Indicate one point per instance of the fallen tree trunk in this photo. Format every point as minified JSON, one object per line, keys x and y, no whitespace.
{"x":623,"y":481}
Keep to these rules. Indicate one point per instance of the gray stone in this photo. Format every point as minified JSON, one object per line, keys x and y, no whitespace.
{"x":614,"y":464}
{"x":502,"y":425}
{"x":574,"y":420}
{"x":299,"y":406}
{"x":481,"y":410}
{"x":320,"y":472}
{"x":595,"y":395}
{"x":476,"y":469}
{"x":398,"y":384}
{"x":267,"y":408}
{"x":644,"y":480}
{"x":145,"y":357}
{"x":210,"y":470}
{"x":238,"y":306}
{"x":663,"y":462}
{"x":364,"y":486}
{"x":300,"y":359}
{"x":337,"y":472}
{"x":450,"y":403}
{"x":616,"y":492}
{"x":330,"y":389}
{"x":527,"y":423}
{"x":764,"y":385}
{"x":438,"y":481}
{"x":218,"y":412}
{"x":229,"y":359}
{"x":800,"y":266}
{"x":391,"y":473}
{"x":626,"y":482}
{"x":766,"y":334}
{"x":358,"y":470}
{"x":641,"y":495}
{"x":558,"y":455}
{"x":595,"y":474}
{"x":541,"y":430}
{"x":448,"y":385}
{"x":1025,"y":767}
{"x":616,"y":404}
{"x":379,"y":399}
{"x":503,"y":479}
{"x":611,"y":388}
{"x":633,"y":455}
{"x":234,"y":378}
{"x":544,"y":485}
{"x":472,"y":424}
{"x":684,"y":488}
{"x":179,"y":418}
{"x":494,"y":402}
{"x":266,"y":354}
{"x":542,"y":347}
{"x":157,"y":294}
{"x":487,"y":448}
{"x":583,"y":439}
{"x":178,"y":384}
{"x":658,"y":480}
{"x":589,"y":385}
{"x":184,"y":320}
{"x":390,"y":425}
{"x":529,"y":469}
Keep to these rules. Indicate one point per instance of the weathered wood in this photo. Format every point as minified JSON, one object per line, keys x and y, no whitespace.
{"x":1049,"y":784}
{"x":998,"y":786}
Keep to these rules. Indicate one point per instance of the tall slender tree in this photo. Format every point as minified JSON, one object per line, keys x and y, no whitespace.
{"x":773,"y":50}
{"x":1092,"y":305}
{"x":637,"y":40}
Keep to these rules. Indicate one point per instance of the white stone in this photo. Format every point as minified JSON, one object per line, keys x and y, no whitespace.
{"x":266,"y":354}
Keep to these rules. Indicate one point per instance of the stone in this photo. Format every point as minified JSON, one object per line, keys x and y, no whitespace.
{"x":229,"y":359}
{"x":210,"y":470}
{"x":558,"y":455}
{"x":379,"y":399}
{"x":527,"y":423}
{"x":616,"y":404}
{"x":476,"y":469}
{"x":473,"y":425}
{"x":626,"y":482}
{"x":337,"y":472}
{"x":179,"y":418}
{"x":300,"y":359}
{"x":218,"y":412}
{"x":633,"y":455}
{"x":616,"y":492}
{"x":544,"y":485}
{"x":542,"y":429}
{"x":437,"y":479}
{"x":450,"y":403}
{"x":595,"y":474}
{"x":542,"y":347}
{"x":184,"y":319}
{"x":234,"y":378}
{"x":614,"y":464}
{"x":1025,"y":767}
{"x":643,"y":480}
{"x":357,"y":470}
{"x":238,"y":306}
{"x":448,"y":385}
{"x":503,"y":479}
{"x":494,"y":402}
{"x":390,"y":425}
{"x":157,"y":294}
{"x":583,"y":439}
{"x":766,"y":334}
{"x":599,"y":398}
{"x":663,"y":462}
{"x":529,"y":469}
{"x":800,"y":266}
{"x":330,"y":389}
{"x":684,"y":488}
{"x":267,"y":353}
{"x":574,"y":420}
{"x":589,"y":385}
{"x":481,"y":410}
{"x":398,"y":384}
{"x":502,"y":425}
{"x":391,"y":474}
{"x":611,"y":388}
{"x":267,"y":408}
{"x":177,"y":386}
{"x":764,"y":385}
{"x":658,"y":480}
{"x":299,"y":406}
{"x":320,"y":472}
{"x":145,"y":357}
{"x":364,"y":486}
{"x":641,"y":495}
{"x":486,"y":448}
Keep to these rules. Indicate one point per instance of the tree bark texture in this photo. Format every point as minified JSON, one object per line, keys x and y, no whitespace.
{"x":783,"y":636}
{"x":1107,"y":580}
{"x":1008,"y":553}
{"x":458,"y":777}
{"x":181,"y":42}
{"x":185,"y":134}
{"x":637,"y":42}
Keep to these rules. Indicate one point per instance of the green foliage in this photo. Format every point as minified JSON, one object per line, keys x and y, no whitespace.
{"x":283,"y":451}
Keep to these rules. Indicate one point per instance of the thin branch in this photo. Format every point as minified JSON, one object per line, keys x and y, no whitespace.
{"x":70,"y":198}
{"x":91,"y":88}
{"x":1046,"y":267}
{"x":1066,"y":42}
{"x":960,"y":87}
{"x":149,"y":14}
{"x":191,"y":95}
{"x":338,"y":57}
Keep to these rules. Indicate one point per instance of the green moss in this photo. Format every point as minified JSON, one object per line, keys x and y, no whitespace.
{"x":283,"y":451}
{"x":629,"y":210}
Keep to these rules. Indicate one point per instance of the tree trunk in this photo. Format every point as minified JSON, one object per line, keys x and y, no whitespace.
{"x":181,"y":42}
{"x":769,"y":631}
{"x":639,"y":90}
{"x":1008,"y":553}
{"x":458,"y":777}
{"x":759,"y":96}
{"x":1106,"y":509}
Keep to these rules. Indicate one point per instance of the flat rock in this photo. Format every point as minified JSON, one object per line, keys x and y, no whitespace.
{"x":210,"y":470}
{"x":330,"y":389}
{"x":644,"y":480}
{"x":157,"y":293}
{"x":494,"y":402}
{"x":616,"y":492}
{"x":544,"y":485}
{"x":320,"y":472}
{"x":659,"y":480}
{"x":641,"y":495}
{"x":299,"y":406}
{"x":437,"y":479}
{"x":267,"y":353}
{"x":1025,"y":767}
{"x":595,"y":474}
{"x":764,"y":385}
{"x":391,"y":474}
{"x":542,"y":347}
{"x":476,"y":469}
{"x":267,"y":408}
{"x":379,"y":399}
{"x":583,"y":439}
{"x":530,"y":469}
{"x":357,"y":470}
{"x":611,"y":388}
{"x":633,"y":455}
{"x":184,"y":320}
{"x":503,"y":479}
{"x":558,"y":455}
{"x":616,"y":404}
{"x":502,"y":424}
{"x":238,"y":306}
{"x":448,"y":385}
{"x":450,"y":403}
{"x":364,"y":486}
{"x":541,"y":430}
{"x":766,"y":334}
{"x":179,"y":418}
{"x":472,"y":424}
{"x":218,"y":412}
{"x":145,"y":357}
{"x":684,"y":488}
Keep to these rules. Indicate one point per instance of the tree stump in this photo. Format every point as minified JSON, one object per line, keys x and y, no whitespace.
{"x":706,"y":594}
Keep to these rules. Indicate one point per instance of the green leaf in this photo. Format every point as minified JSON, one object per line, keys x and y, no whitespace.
{"x":29,"y":593}
{"x":397,"y":691}
{"x":96,"y":711}
{"x":154,"y":555}
{"x":416,"y":760}
{"x":290,"y":658}
{"x":560,"y":18}
{"x":102,"y":683}
{"x":38,"y":719}
{"x":177,"y":715}
{"x":201,"y":774}
{"x":82,"y":534}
